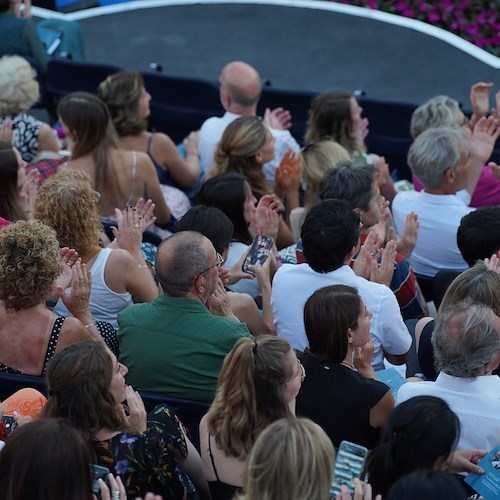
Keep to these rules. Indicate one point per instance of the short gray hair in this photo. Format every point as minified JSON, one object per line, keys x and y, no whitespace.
{"x":465,"y":338}
{"x":435,"y":151}
{"x":179,"y":260}
{"x":440,"y":111}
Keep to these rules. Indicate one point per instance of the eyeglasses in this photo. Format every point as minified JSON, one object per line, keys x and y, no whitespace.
{"x":218,"y":263}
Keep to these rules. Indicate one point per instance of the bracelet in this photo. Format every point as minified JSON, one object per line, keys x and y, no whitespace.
{"x":194,"y":154}
{"x":142,"y":266}
{"x":90,"y":325}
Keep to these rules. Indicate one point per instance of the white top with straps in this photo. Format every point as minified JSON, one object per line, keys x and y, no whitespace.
{"x":105,"y":304}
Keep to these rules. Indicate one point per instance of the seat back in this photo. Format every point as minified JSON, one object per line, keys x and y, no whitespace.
{"x":190,"y":412}
{"x":180,"y":105}
{"x":11,"y":383}
{"x":65,"y":76}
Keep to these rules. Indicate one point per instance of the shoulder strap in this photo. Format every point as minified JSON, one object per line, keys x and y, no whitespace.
{"x":134,"y":175}
{"x":212,"y":459}
{"x":54,"y":337}
{"x":150,"y":140}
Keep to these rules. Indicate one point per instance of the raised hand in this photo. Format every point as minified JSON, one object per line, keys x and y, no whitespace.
{"x":479,"y":98}
{"x":137,"y":417}
{"x":278,"y":118}
{"x":384,"y":272}
{"x":128,"y":235}
{"x":266,"y":221}
{"x":368,"y":252}
{"x":69,"y":256}
{"x":77,"y":302}
{"x":145,"y":209}
{"x":408,"y":240}
{"x":6,"y":131}
{"x":483,"y":138}
{"x":29,"y":190}
{"x":115,"y":485}
{"x":218,"y":303}
{"x":493,"y":263}
{"x":288,"y":175}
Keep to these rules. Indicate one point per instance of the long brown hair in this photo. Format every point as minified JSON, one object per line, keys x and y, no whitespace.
{"x":250,"y":394}
{"x":88,"y":118}
{"x":237,"y":151}
{"x":11,"y":206}
{"x":78,"y":379}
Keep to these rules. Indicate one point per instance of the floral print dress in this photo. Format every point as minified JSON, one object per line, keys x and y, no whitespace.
{"x":147,"y":462}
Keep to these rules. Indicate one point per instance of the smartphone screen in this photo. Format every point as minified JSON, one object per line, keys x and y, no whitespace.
{"x":98,"y":472}
{"x":348,"y":465}
{"x":9,"y":424}
{"x":258,"y":253}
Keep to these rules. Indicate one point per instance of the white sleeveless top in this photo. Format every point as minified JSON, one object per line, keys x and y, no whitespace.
{"x":105,"y":304}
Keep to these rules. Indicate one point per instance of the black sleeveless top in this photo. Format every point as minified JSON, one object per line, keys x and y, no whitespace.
{"x":218,"y":489}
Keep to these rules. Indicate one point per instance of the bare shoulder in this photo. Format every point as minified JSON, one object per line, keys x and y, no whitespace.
{"x":72,"y":332}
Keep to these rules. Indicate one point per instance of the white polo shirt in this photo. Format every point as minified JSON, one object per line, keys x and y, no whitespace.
{"x":476,"y":402}
{"x":439,"y":216}
{"x":294,"y":284}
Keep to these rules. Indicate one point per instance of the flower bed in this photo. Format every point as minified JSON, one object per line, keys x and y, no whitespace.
{"x":477,"y":21}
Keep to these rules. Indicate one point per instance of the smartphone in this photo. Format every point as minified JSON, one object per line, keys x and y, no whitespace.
{"x":98,"y":472}
{"x":9,"y":424}
{"x":348,"y":465}
{"x":258,"y":253}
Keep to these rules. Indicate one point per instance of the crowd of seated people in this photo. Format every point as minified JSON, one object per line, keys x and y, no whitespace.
{"x":113,"y":285}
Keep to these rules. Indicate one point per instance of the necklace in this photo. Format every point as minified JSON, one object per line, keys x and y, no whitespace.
{"x":348,"y":365}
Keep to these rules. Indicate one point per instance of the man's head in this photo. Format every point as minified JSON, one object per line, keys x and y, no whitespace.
{"x":466,"y":340}
{"x":330,"y":234}
{"x":478,"y":235}
{"x":439,"y":158}
{"x":355,"y":184}
{"x":240,"y":88}
{"x":186,"y":264}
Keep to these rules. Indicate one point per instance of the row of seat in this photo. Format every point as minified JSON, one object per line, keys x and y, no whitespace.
{"x":180,"y":105}
{"x":189,"y":411}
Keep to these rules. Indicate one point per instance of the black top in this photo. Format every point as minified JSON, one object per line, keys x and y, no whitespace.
{"x":219,"y":490}
{"x":339,"y":400}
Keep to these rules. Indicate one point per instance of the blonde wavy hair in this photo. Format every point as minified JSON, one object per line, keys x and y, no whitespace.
{"x":237,"y":151}
{"x":68,"y":203}
{"x":291,"y":460}
{"x":18,"y":86}
{"x":250,"y":393}
{"x":318,"y":157}
{"x":29,"y":264}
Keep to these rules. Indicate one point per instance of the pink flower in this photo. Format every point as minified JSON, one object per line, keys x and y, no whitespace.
{"x":434,"y":17}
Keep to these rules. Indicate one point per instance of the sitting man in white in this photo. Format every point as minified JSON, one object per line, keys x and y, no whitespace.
{"x":466,"y":343}
{"x":330,"y":236}
{"x":448,"y":162}
{"x":240,"y":88}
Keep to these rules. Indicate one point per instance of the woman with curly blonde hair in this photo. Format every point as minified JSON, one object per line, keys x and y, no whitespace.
{"x":67,"y":203}
{"x":18,"y":92}
{"x":30,"y":334}
{"x":258,"y":383}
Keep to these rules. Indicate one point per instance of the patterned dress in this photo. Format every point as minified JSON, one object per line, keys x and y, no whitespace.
{"x":147,"y":462}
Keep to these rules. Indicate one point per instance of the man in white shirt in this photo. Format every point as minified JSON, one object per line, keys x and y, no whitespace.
{"x":466,"y":341}
{"x":448,"y":162}
{"x":240,"y":88}
{"x":330,"y":235}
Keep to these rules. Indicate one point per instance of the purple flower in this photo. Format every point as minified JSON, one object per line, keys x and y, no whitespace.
{"x":121,"y":466}
{"x":434,"y":17}
{"x":128,"y":439}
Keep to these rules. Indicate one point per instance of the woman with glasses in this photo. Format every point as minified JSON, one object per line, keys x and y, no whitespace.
{"x":120,"y":276}
{"x":350,"y":405}
{"x":258,"y":383}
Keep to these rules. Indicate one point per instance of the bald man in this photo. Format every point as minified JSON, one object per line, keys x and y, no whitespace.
{"x":240,"y":88}
{"x":177,"y":343}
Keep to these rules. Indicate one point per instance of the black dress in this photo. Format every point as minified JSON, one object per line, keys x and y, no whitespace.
{"x":339,"y":400}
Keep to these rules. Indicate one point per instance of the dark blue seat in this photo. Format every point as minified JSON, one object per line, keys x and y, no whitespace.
{"x":180,"y":105}
{"x":65,"y":76}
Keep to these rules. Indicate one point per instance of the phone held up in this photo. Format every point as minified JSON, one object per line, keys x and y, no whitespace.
{"x":258,"y":253}
{"x":98,"y":472}
{"x":8,"y":424}
{"x":348,"y":465}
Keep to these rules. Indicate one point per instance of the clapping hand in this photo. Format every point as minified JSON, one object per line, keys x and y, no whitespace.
{"x":68,"y":258}
{"x":137,"y":417}
{"x":29,"y":190}
{"x":278,"y":118}
{"x":408,"y":240}
{"x":288,"y":175}
{"x":77,"y":302}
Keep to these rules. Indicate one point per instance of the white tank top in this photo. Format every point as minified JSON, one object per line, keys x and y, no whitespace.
{"x":105,"y":304}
